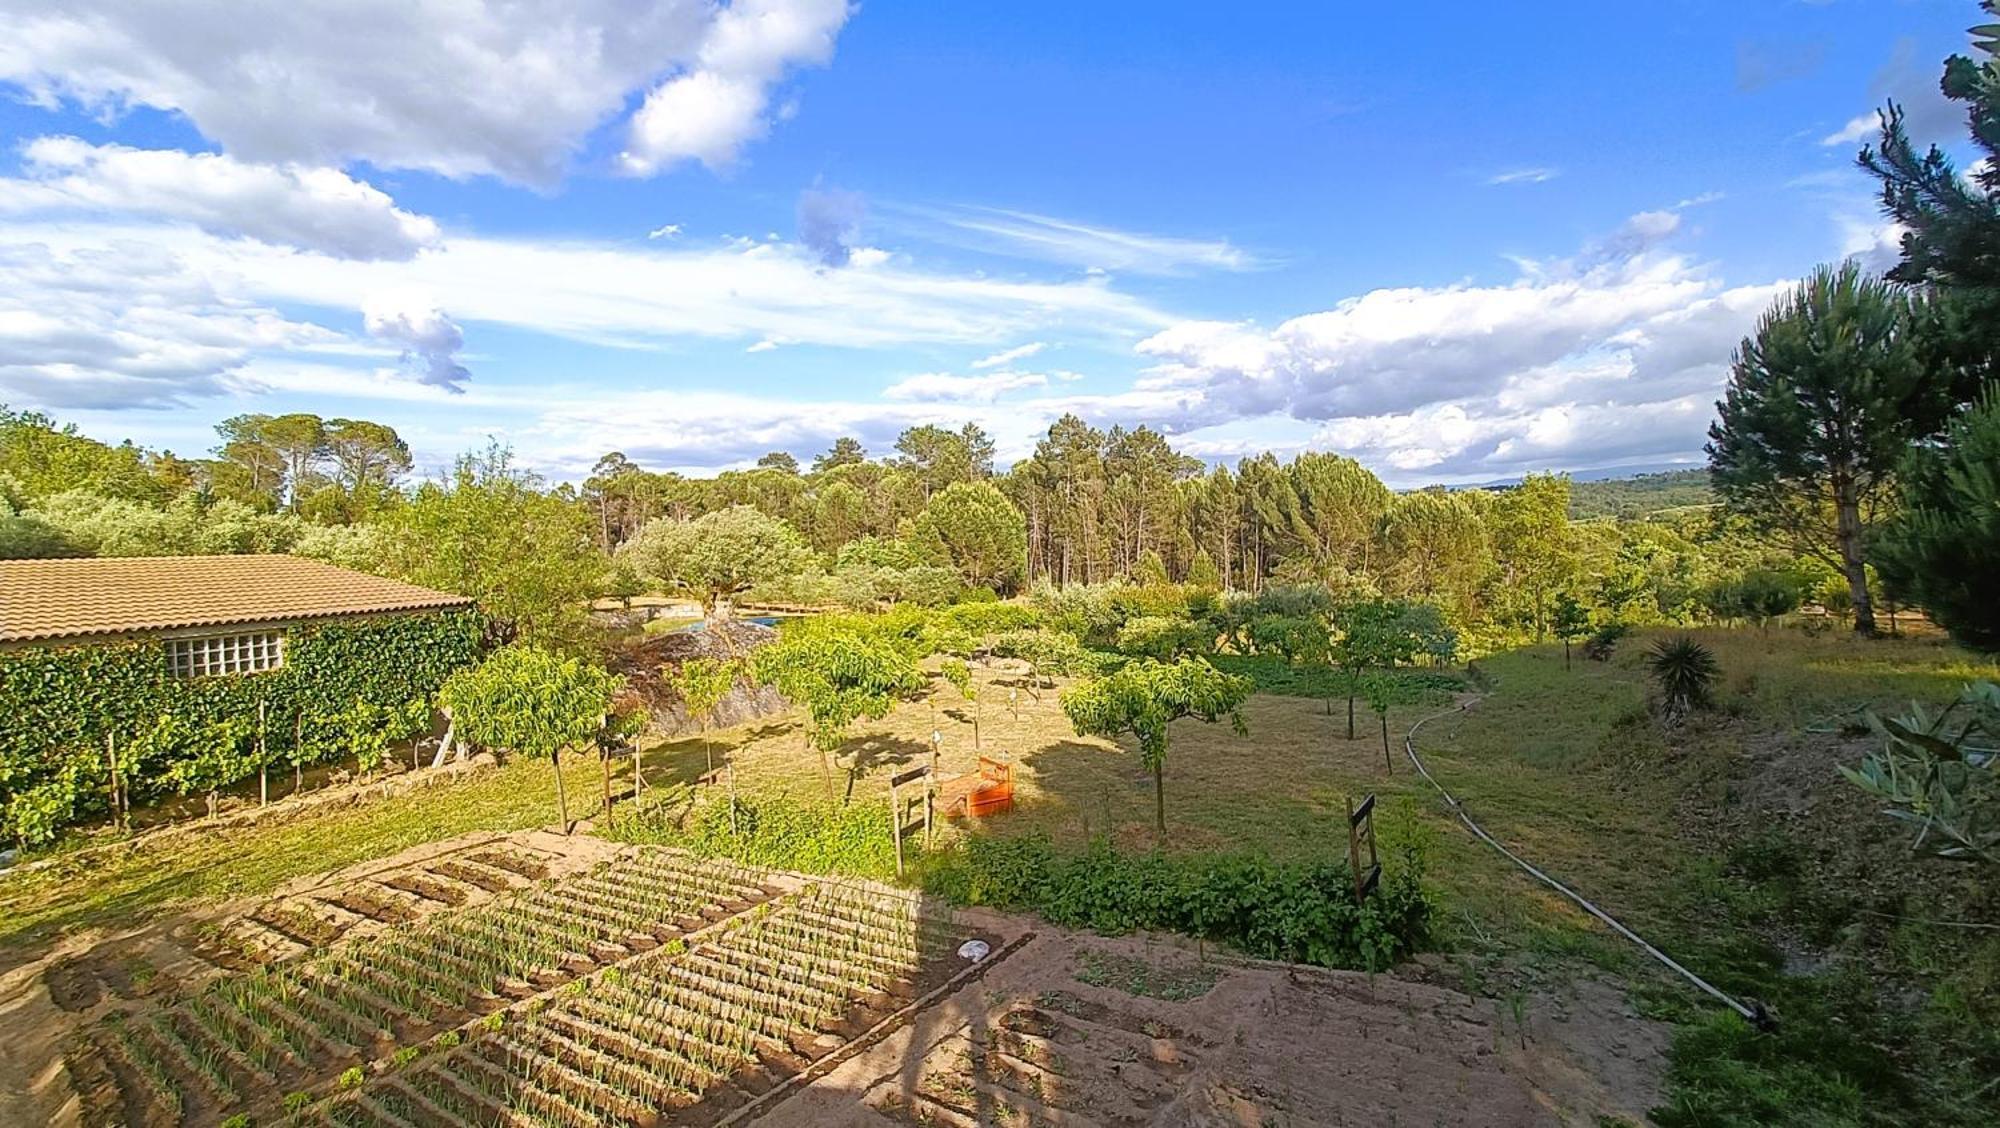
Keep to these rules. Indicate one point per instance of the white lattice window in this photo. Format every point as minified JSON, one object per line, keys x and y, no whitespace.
{"x":226,"y":654}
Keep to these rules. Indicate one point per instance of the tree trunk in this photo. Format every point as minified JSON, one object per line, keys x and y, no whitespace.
{"x":1160,"y":799}
{"x":1350,"y":714}
{"x":1388,"y":761}
{"x":604,"y":760}
{"x":1847,"y":537}
{"x":562,"y":795}
{"x":1565,"y":654}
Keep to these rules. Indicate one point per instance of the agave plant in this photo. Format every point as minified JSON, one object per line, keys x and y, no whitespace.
{"x":1685,"y":671}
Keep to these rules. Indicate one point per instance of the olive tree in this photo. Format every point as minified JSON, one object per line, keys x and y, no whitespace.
{"x":1143,"y":697}
{"x":719,"y":554}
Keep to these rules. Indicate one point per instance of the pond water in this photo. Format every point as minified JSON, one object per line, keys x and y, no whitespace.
{"x":760,"y":620}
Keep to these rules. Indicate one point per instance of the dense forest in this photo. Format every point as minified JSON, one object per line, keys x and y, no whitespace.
{"x":930,"y":522}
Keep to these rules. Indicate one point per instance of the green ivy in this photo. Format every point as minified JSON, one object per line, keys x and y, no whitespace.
{"x":348,"y":687}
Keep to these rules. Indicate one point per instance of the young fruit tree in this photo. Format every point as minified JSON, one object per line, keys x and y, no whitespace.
{"x":702,"y":684}
{"x":959,"y":674}
{"x":531,"y":702}
{"x":1142,"y":698}
{"x":1373,"y":635}
{"x":1570,"y":621}
{"x":838,"y":677}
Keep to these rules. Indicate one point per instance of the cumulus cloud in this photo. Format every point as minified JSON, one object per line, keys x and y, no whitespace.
{"x":126,"y":324}
{"x":1467,"y":380}
{"x":1009,"y":356}
{"x":942,"y":387}
{"x":429,"y":340}
{"x":711,"y":110}
{"x":461,"y":89}
{"x":829,"y":220}
{"x":321,"y":209}
{"x":1048,"y":239}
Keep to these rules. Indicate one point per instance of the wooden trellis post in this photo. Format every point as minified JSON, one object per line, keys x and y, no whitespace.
{"x":1360,"y":828}
{"x":899,"y":810}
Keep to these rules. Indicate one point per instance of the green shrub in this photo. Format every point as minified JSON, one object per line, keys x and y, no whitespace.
{"x":775,"y":831}
{"x":1302,"y":913}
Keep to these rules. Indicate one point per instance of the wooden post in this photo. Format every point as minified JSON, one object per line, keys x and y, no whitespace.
{"x":263,"y":760}
{"x":117,"y":799}
{"x":729,"y":771}
{"x":896,"y":822}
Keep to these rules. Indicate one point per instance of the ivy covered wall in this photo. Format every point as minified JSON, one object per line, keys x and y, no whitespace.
{"x":348,"y":687}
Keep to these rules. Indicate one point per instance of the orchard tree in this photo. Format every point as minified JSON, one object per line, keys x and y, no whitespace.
{"x":1942,"y":549}
{"x":1823,"y":400}
{"x":838,"y":676}
{"x":1571,"y":621}
{"x":1370,"y":635}
{"x":1142,"y":698}
{"x":719,"y":554}
{"x":971,"y":526}
{"x":702,"y":684}
{"x":532,"y":702}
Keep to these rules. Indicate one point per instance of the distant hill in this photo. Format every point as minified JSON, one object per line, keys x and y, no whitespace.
{"x":1639,"y":495}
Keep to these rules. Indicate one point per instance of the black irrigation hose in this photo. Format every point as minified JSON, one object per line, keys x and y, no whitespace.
{"x":1753,"y":1011}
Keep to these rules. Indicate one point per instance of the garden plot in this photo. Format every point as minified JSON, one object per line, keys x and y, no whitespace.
{"x":1079,"y":1031}
{"x":650,"y":985}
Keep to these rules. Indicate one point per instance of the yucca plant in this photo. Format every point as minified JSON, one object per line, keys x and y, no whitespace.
{"x":1685,"y":671}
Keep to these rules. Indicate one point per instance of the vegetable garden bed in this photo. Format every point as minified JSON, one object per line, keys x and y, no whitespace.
{"x":651,"y":988}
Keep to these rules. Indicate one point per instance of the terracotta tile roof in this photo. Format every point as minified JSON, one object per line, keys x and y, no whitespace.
{"x":58,"y":599}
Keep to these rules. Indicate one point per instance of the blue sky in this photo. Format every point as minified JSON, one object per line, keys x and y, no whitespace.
{"x":1456,"y":241}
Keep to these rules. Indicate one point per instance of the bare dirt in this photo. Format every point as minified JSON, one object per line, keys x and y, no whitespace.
{"x":1033,"y":1043}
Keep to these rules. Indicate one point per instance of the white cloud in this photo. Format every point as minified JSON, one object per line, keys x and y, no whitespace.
{"x":1912,"y":83}
{"x":1009,"y":356}
{"x":194,"y":306}
{"x":320,"y":209}
{"x":710,"y":112}
{"x":430,"y":340}
{"x":125,"y":324}
{"x":457,"y":87}
{"x":1471,"y":380}
{"x":942,"y":387}
{"x":1047,"y":239}
{"x":1524,"y":176}
{"x":665,"y":231}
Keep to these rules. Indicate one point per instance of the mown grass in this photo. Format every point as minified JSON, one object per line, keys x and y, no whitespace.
{"x":119,"y":887}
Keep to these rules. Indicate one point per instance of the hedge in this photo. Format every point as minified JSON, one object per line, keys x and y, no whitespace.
{"x":348,"y":687}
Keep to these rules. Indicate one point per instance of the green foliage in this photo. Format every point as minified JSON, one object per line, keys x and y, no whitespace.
{"x":1685,"y":672}
{"x":1142,"y":698}
{"x":719,"y":554}
{"x":776,"y":831}
{"x":971,"y":526}
{"x":1299,"y":913}
{"x":839,"y":674}
{"x":58,"y":706}
{"x":1942,"y":549}
{"x":1165,"y":638}
{"x":1640,"y":494}
{"x":1938,"y":773}
{"x":1823,"y":401}
{"x":529,"y":701}
{"x":491,"y":532}
{"x":93,"y":525}
{"x":703,"y":683}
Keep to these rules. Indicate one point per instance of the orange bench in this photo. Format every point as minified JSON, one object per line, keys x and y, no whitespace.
{"x":986,"y":792}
